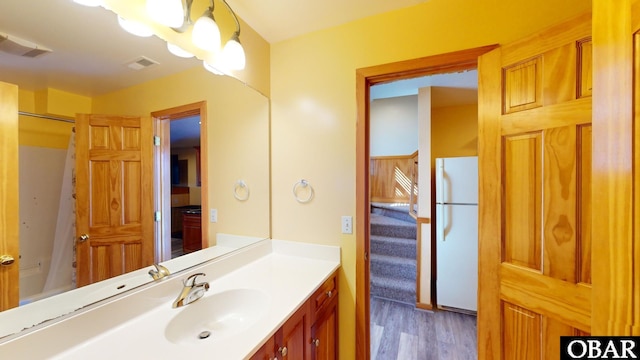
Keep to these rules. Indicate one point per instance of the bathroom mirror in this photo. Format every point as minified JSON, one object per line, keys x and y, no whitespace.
{"x":237,"y":126}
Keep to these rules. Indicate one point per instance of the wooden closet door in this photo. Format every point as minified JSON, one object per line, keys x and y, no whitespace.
{"x":114,"y":195}
{"x":535,"y":193}
{"x":9,"y":212}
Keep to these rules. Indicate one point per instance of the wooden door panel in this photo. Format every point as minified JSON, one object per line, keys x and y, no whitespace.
{"x":521,"y":336}
{"x":543,"y":131}
{"x":559,"y":75}
{"x":585,"y":68}
{"x":132,"y":192}
{"x":115,"y":195}
{"x":559,"y":194}
{"x":584,"y":204}
{"x":99,"y":188}
{"x":522,"y":164}
{"x":522,"y":88}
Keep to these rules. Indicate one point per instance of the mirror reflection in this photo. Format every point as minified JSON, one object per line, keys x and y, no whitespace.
{"x":194,"y":179}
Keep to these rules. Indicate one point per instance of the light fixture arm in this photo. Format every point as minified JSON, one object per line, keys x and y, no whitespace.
{"x":237,"y":32}
{"x":211,"y":8}
{"x":186,"y":5}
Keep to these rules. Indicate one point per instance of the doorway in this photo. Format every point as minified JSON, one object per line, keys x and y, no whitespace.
{"x":365,"y":78}
{"x":181,"y":228}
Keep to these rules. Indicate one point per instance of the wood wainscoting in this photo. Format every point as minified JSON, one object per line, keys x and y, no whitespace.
{"x":391,"y":178}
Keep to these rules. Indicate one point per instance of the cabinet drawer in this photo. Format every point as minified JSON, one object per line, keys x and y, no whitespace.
{"x":324,"y":295}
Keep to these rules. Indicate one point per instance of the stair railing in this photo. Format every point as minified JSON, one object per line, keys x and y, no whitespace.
{"x":413,"y":194}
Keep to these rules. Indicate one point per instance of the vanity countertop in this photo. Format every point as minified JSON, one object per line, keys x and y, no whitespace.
{"x":134,"y":325}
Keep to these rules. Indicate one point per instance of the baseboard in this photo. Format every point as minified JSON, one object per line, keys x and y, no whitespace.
{"x":424,"y":306}
{"x":461,"y":311}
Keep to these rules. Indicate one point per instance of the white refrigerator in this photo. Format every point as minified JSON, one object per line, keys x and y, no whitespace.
{"x":457,"y":233}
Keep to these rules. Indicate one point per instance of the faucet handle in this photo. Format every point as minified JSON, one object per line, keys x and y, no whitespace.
{"x":159,"y":272}
{"x":191,"y":280}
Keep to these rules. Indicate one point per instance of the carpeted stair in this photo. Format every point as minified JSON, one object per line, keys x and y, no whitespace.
{"x":393,"y":253}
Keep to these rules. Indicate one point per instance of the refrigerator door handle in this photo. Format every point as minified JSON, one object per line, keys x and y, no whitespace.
{"x":440,"y":195}
{"x":441,"y":227}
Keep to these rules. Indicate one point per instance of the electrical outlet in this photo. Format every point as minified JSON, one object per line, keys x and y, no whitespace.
{"x":347,"y":225}
{"x":213,"y":215}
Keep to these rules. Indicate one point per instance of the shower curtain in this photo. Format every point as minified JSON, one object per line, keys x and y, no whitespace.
{"x":62,"y":274}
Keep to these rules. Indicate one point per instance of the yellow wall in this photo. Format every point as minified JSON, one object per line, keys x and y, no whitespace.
{"x":314,"y":108}
{"x":454,"y":131}
{"x":238,"y":138}
{"x":44,"y":132}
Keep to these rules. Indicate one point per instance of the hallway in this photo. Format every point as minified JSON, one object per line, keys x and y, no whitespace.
{"x":402,"y":332}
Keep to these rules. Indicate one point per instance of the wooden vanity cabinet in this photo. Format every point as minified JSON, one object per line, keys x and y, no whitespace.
{"x":324,"y":315}
{"x":191,"y":232}
{"x":293,"y":342}
{"x":266,"y":352}
{"x":311,"y":333}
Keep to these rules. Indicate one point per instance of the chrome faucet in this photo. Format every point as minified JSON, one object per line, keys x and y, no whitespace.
{"x":159,"y":272}
{"x":191,"y":291}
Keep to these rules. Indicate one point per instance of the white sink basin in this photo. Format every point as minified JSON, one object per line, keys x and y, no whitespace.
{"x":216,"y":316}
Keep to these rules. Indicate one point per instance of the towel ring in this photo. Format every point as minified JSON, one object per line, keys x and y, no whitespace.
{"x":303,"y":184}
{"x":241,"y":190}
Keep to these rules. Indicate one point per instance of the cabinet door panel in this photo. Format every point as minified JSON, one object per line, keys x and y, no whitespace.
{"x":294,"y":344}
{"x":324,"y":335}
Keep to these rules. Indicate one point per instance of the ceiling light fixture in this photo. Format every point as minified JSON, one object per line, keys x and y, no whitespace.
{"x":134,"y":27}
{"x":233,"y":54}
{"x":206,"y":34}
{"x":89,"y":2}
{"x":178,"y":51}
{"x":166,"y":12}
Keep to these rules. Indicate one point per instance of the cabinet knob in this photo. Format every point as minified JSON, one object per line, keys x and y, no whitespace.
{"x":283,"y":351}
{"x":316,"y":342}
{"x":329,"y":293}
{"x":84,"y":237}
{"x":6,"y":260}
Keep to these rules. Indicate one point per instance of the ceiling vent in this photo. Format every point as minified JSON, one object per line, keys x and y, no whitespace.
{"x":141,"y":63}
{"x":16,"y":46}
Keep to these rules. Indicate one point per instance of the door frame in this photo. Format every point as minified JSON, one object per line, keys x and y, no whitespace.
{"x":365,"y":78}
{"x":161,"y":123}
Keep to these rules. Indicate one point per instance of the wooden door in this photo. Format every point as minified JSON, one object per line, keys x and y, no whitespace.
{"x":535,"y":193}
{"x":9,"y":240}
{"x":114,"y":195}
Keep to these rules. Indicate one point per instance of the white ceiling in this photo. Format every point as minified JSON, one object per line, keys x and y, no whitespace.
{"x":459,"y":88}
{"x":90,"y":50}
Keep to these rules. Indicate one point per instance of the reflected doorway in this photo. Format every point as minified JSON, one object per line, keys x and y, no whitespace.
{"x":181,"y":184}
{"x":186,"y":201}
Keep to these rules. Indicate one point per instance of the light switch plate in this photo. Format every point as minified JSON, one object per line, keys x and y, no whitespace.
{"x":347,"y":225}
{"x":213,"y":215}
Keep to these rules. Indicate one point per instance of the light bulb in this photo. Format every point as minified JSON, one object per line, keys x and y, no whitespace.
{"x":233,"y":55}
{"x":206,"y":34}
{"x":166,"y":12}
{"x":178,"y":51}
{"x":134,"y":27}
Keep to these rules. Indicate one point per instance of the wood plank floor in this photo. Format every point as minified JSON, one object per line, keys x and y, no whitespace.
{"x":402,"y":332}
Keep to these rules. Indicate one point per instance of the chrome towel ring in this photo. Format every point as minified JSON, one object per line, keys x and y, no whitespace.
{"x":300,"y":186}
{"x":241,"y":190}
